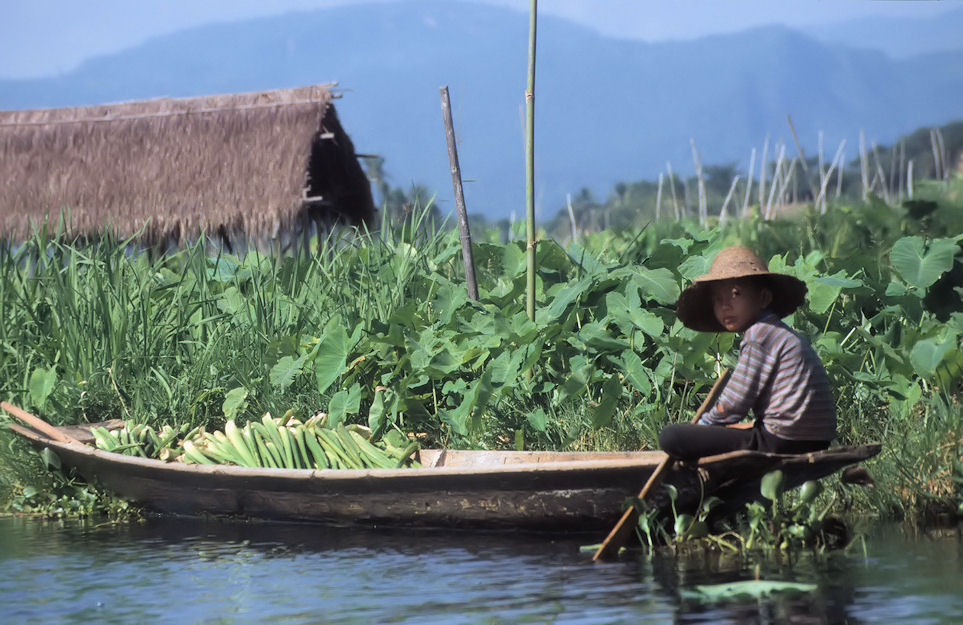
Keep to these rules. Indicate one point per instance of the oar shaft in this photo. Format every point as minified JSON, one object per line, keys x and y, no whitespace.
{"x":39,"y":424}
{"x":623,"y":529}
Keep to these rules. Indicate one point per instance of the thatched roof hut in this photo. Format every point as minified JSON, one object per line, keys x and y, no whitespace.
{"x":253,"y":166}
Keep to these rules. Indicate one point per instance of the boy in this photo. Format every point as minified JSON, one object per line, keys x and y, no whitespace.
{"x":778,"y":375}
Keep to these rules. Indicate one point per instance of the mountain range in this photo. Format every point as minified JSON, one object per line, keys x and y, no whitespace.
{"x":607,"y":110}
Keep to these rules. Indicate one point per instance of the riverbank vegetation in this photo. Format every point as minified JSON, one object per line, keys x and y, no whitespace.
{"x":377,"y":329}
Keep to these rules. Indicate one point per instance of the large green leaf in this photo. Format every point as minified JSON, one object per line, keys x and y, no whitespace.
{"x":608,"y":402}
{"x":443,"y":363}
{"x":332,"y":354}
{"x":927,"y":354}
{"x":551,"y":257}
{"x":577,"y":381}
{"x":285,"y":370}
{"x":505,"y":367}
{"x":920,"y":265}
{"x":771,"y":486}
{"x":595,"y":336}
{"x":755,"y":589}
{"x":234,"y":402}
{"x":376,"y":414}
{"x":647,"y":321}
{"x":41,"y":384}
{"x":469,"y":412}
{"x":694,"y":266}
{"x":337,"y":408}
{"x":513,"y":259}
{"x":636,"y":372}
{"x":824,"y":290}
{"x":628,"y":313}
{"x":657,"y":284}
{"x":563,"y":299}
{"x":585,"y":259}
{"x":537,"y":419}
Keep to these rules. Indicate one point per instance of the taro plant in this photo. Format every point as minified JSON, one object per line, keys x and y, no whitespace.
{"x":684,"y":526}
{"x":377,"y":329}
{"x":789,"y":523}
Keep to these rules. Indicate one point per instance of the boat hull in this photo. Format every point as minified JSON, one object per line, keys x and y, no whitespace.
{"x":544,"y":491}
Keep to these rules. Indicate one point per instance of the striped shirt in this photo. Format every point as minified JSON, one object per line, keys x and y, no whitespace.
{"x":780,"y":378}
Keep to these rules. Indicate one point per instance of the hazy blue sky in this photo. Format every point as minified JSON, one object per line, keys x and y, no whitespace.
{"x":46,"y":37}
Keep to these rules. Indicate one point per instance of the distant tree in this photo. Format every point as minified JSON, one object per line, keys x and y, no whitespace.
{"x":400,"y":204}
{"x":375,"y":170}
{"x":718,"y":178}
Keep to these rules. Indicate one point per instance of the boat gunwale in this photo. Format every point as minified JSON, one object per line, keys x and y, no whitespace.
{"x":645,"y":459}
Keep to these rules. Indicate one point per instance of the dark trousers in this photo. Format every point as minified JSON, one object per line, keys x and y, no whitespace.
{"x":688,"y":441}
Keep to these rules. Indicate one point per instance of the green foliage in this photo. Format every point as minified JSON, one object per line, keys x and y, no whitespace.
{"x":33,"y":483}
{"x":377,"y":328}
{"x":789,"y":522}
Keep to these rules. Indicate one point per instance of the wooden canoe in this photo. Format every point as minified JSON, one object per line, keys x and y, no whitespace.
{"x":551,"y":491}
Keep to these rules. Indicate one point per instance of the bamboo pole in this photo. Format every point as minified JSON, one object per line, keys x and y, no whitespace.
{"x":944,"y":166}
{"x":464,"y":231}
{"x":762,"y":175}
{"x":902,"y":169}
{"x":863,"y":164}
{"x":790,"y":177}
{"x":891,"y":185}
{"x":775,"y":182}
{"x":822,"y":167}
{"x":530,"y":162}
{"x":884,"y":183}
{"x":703,"y":201}
{"x":722,"y":211}
{"x":839,"y":176}
{"x":784,"y":180}
{"x":675,"y":199}
{"x":821,"y":200}
{"x":752,"y":165}
{"x":909,"y":180}
{"x":936,"y":155}
{"x":571,"y":216}
{"x":658,"y":199}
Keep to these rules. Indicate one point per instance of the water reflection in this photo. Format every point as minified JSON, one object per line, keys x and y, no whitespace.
{"x":172,"y":571}
{"x":896,"y":579}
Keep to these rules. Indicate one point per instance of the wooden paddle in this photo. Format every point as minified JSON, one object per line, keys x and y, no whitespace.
{"x":39,"y":424}
{"x":616,"y":538}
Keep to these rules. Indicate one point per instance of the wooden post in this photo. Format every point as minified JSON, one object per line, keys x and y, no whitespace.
{"x":466,"y":251}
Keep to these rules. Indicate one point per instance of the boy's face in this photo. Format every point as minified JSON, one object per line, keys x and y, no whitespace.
{"x":738,"y":303}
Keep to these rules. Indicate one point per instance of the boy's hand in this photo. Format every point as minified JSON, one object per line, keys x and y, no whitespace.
{"x":741,"y":426}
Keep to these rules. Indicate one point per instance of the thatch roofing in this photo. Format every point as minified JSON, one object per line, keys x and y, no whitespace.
{"x":249,"y":164}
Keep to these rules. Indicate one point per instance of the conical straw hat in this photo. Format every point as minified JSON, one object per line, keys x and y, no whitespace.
{"x":694,"y":306}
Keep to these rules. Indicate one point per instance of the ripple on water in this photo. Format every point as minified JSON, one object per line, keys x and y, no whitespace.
{"x":167,"y":571}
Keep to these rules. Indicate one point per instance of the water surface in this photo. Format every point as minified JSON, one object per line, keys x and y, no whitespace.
{"x":188,"y":571}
